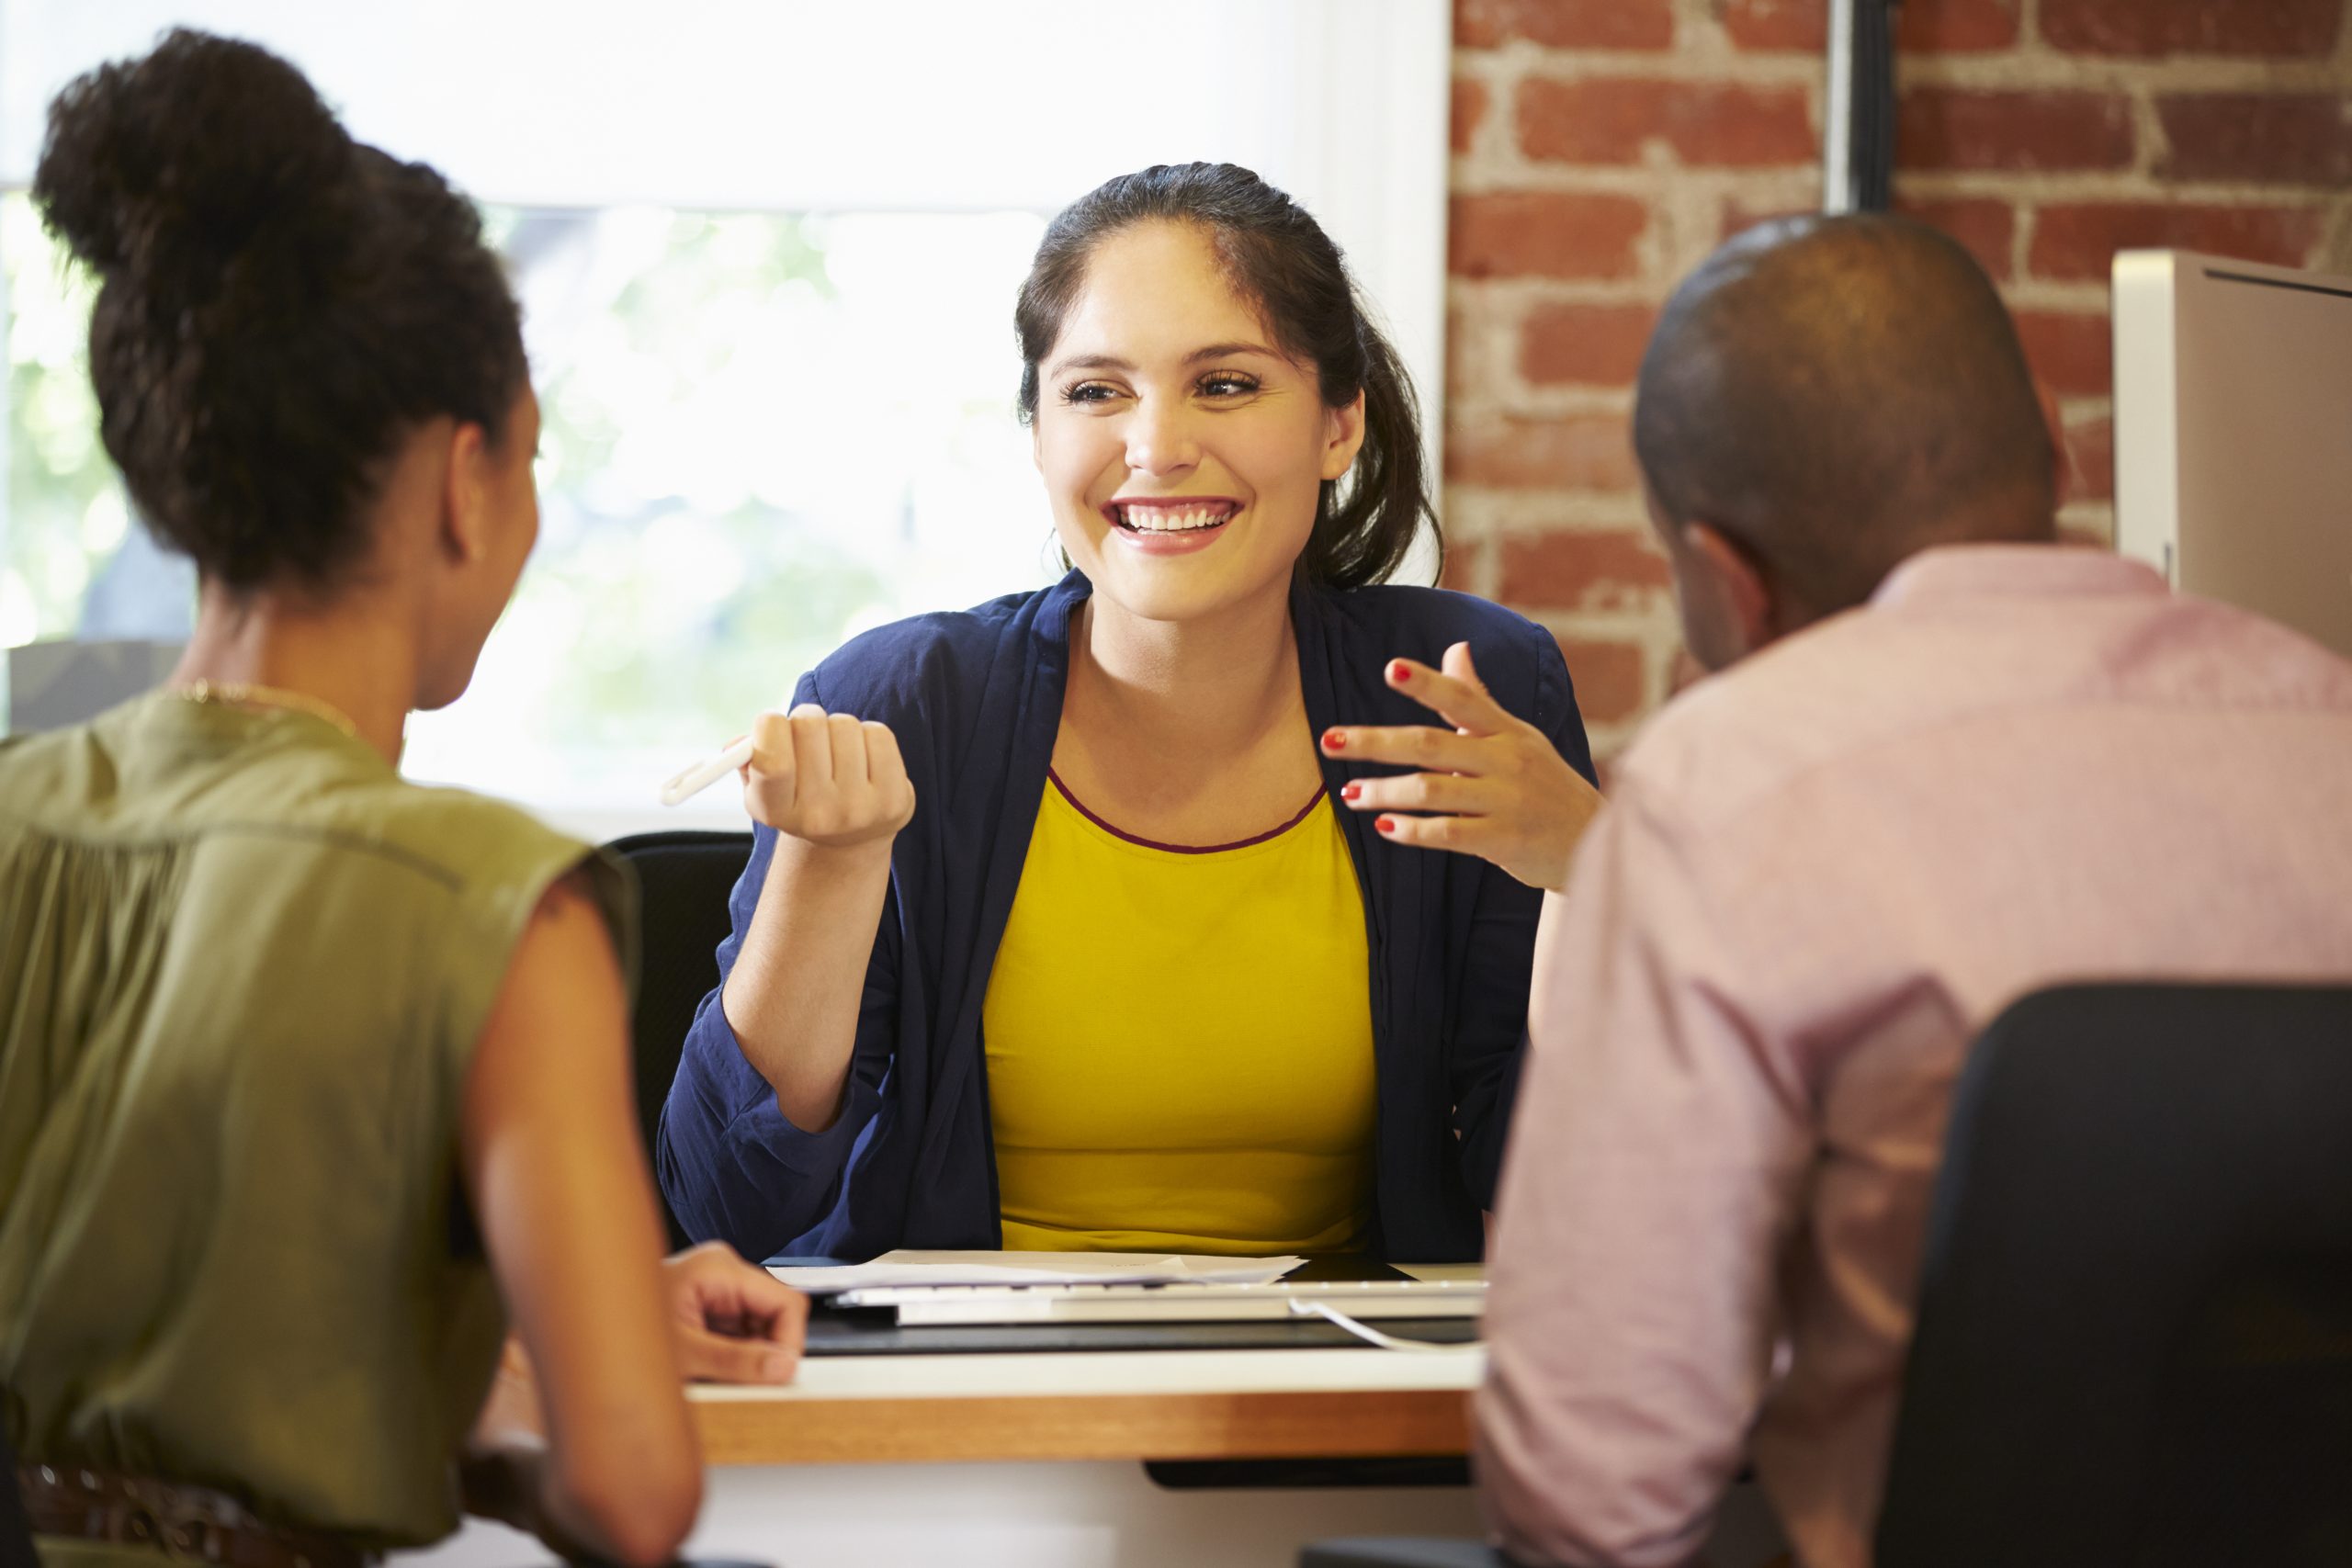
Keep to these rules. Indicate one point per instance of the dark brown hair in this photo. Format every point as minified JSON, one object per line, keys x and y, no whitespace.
{"x":278,"y":305}
{"x":1279,"y":259}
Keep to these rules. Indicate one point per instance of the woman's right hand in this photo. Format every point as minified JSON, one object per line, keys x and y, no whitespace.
{"x":828,"y":780}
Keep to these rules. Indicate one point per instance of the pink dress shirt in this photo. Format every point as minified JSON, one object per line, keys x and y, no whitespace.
{"x":1820,"y":875}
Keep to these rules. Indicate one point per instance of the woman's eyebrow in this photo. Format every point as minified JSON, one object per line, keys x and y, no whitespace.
{"x":1089,"y":362}
{"x":1227,"y":350}
{"x":1113,"y":361}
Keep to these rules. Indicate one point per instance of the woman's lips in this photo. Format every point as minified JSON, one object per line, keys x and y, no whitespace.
{"x":1170,"y":526}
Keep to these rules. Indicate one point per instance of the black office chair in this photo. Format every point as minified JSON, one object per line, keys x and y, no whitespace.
{"x":684,"y":879}
{"x":15,"y":1525}
{"x":1399,"y":1551}
{"x":2134,"y":1342}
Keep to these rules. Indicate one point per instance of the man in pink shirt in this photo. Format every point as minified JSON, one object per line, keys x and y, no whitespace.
{"x":1946,"y":761}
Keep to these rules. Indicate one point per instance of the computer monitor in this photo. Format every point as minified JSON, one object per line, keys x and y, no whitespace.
{"x":2233,"y":434}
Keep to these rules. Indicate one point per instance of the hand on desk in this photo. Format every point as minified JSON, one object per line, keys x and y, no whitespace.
{"x":1493,"y":787}
{"x":731,"y":1322}
{"x":734,"y":1321}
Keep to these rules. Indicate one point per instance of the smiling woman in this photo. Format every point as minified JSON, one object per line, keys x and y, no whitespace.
{"x":1145,"y":425}
{"x":1059,"y":930}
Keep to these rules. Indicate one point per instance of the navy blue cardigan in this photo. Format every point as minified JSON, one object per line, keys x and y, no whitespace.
{"x":974,"y":700}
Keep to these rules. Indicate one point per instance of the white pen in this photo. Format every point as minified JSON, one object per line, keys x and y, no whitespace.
{"x":692,"y":781}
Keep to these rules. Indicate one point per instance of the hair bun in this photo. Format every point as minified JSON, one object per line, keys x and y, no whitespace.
{"x":169,"y":165}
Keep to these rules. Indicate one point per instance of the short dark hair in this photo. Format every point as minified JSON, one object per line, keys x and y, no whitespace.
{"x":278,"y":304}
{"x":1838,"y":394}
{"x":1278,"y":258}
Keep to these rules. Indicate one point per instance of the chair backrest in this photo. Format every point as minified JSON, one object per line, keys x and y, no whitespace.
{"x":2134,"y":1340}
{"x":15,"y":1527}
{"x":684,"y":879}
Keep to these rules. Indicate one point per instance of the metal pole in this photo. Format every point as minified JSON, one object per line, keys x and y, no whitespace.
{"x":1873,"y":158}
{"x":1858,"y":107}
{"x":1838,"y":112}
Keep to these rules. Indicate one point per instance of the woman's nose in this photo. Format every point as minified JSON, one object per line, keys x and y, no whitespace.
{"x":1160,"y":439}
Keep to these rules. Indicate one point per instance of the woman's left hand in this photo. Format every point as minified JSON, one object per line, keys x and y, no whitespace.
{"x":1493,"y":787}
{"x":733,"y":1321}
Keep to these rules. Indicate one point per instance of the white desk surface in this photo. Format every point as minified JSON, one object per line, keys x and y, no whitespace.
{"x":1325,"y":1401}
{"x":1111,"y":1374}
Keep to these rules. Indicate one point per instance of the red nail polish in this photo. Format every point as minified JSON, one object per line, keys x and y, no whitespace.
{"x":1385,"y":824}
{"x":1335,"y":740}
{"x":1399,"y":671}
{"x":1349,"y":792}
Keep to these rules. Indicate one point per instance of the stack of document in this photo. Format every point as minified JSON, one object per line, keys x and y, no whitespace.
{"x":909,"y":1267}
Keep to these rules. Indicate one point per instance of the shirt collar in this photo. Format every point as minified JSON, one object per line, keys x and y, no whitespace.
{"x":1949,"y":572}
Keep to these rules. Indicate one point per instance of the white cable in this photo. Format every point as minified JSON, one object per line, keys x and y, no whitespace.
{"x":1301,"y":1306}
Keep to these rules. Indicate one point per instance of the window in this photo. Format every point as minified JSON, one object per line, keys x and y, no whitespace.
{"x":762,"y":434}
{"x":767,"y":255}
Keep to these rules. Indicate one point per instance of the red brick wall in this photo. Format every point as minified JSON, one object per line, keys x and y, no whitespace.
{"x":1602,"y":147}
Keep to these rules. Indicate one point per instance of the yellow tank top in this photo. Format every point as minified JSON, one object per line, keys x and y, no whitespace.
{"x":1180,"y":1041}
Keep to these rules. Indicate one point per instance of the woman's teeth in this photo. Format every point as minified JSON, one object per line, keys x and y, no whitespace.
{"x":1171,"y":519}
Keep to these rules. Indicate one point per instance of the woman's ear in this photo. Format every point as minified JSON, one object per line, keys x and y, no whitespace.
{"x":466,"y":501}
{"x":1342,"y":436}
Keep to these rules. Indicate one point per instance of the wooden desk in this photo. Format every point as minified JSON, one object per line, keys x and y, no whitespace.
{"x":1031,"y":1462}
{"x":1140,"y":1405}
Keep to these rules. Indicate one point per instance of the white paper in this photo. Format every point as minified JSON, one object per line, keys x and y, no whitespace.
{"x":909,"y":1267}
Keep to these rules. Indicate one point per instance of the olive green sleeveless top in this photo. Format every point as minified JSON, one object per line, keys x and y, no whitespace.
{"x":243,"y":969}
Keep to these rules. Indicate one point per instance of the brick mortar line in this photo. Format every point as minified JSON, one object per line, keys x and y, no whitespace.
{"x":1544,"y":399}
{"x":2150,"y":144}
{"x":1522,"y":175}
{"x":2018,"y":69}
{"x":2046,"y":185}
{"x":1526,"y":293}
{"x":1501,"y":512}
{"x":2336,"y":243}
{"x":2076,"y":296}
{"x":2029,"y":24}
{"x":1508,"y":501}
{"x":1607,"y":626}
{"x":1513,"y":511}
{"x":1532,"y":530}
{"x":2047,"y":71}
{"x":1688,"y":55}
{"x":1506,"y":68}
{"x":1556,"y":177}
{"x":1562,"y":523}
{"x":1805,"y":71}
{"x":1519,"y":172}
{"x":1595,"y":399}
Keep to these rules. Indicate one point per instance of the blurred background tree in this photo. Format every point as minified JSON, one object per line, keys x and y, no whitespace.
{"x":761,"y":433}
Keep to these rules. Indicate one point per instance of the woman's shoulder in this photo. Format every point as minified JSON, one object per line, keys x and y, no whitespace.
{"x":1421,"y":623}
{"x":472,"y":865}
{"x":156,"y":770}
{"x":940,"y":658}
{"x":467,"y":833}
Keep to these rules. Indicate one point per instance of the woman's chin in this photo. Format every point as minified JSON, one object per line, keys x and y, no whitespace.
{"x":1178,"y":590}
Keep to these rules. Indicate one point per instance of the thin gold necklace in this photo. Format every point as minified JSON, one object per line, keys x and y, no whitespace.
{"x":248,"y":693}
